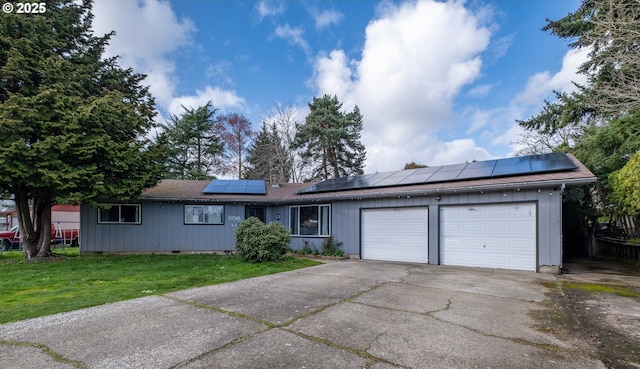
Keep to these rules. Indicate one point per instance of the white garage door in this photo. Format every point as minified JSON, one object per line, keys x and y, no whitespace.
{"x":397,"y":234}
{"x":493,"y":236}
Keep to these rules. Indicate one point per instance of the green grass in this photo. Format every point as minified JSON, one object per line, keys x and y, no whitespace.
{"x":603,"y":288}
{"x":32,"y":289}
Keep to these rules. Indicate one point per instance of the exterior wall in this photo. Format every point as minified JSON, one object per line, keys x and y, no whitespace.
{"x":163,"y":229}
{"x":346,"y":220}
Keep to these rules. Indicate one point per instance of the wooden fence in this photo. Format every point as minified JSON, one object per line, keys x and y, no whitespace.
{"x":618,"y":248}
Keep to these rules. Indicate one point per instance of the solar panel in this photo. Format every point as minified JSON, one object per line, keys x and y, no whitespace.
{"x":239,"y":187}
{"x":418,"y":175}
{"x":392,"y":180}
{"x":511,"y":166}
{"x":478,"y":169}
{"x":447,"y":173}
{"x":551,"y":162}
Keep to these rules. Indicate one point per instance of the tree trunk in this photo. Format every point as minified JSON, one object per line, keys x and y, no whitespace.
{"x":43,"y":219}
{"x":34,"y":222}
{"x":27,"y":233}
{"x":334,"y":162}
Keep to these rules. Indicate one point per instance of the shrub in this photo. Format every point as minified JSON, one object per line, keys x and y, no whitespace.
{"x":257,"y":242}
{"x":306,"y":250}
{"x":331,"y":247}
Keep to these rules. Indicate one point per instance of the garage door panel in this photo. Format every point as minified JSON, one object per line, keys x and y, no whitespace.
{"x":396,"y":234}
{"x":495,"y":236}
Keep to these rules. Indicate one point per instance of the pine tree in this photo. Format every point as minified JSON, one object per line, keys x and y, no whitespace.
{"x":194,"y":146}
{"x":330,"y":139}
{"x":266,"y":153}
{"x":72,"y":124}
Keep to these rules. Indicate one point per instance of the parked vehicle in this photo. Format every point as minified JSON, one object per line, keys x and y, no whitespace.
{"x":11,"y":239}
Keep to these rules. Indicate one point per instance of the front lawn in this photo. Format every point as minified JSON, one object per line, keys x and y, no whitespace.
{"x":32,"y":289}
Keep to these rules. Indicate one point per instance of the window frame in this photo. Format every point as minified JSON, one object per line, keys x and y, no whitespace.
{"x":187,"y":222}
{"x":295,"y":228}
{"x":119,"y":206}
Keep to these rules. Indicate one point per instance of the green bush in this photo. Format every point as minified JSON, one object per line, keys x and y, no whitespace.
{"x":331,"y":247}
{"x":257,"y":242}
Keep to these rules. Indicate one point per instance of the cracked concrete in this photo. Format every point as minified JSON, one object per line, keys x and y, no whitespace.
{"x":343,"y":314}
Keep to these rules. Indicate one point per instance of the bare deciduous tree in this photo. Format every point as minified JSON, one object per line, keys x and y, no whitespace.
{"x":237,"y":136}
{"x":284,"y":121}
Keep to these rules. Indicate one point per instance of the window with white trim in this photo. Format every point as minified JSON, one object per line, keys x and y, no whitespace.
{"x":310,"y":220}
{"x":120,"y":214}
{"x":204,"y":214}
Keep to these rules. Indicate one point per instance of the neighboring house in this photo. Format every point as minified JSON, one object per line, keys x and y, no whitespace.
{"x":503,"y":213}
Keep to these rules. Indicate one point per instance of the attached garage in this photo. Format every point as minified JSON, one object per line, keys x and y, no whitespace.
{"x":492,"y":236}
{"x":395,"y":234}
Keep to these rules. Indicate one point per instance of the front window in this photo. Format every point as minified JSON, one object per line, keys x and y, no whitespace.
{"x":204,"y":214}
{"x":120,"y":213}
{"x":310,"y":220}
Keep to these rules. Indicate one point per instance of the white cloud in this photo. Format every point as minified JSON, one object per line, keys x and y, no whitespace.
{"x":481,"y":90}
{"x":220,"y":72}
{"x":416,"y":59}
{"x":269,"y":9}
{"x":294,"y":36}
{"x":326,"y":18}
{"x":333,"y":74}
{"x":541,"y":84}
{"x":220,"y":99}
{"x":498,"y":126}
{"x":147,"y":32}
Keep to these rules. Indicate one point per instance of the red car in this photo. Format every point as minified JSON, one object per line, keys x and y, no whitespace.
{"x":11,"y":239}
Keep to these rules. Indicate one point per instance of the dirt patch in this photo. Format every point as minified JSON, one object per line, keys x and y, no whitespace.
{"x":612,"y":344}
{"x":588,"y":306}
{"x":571,"y":316}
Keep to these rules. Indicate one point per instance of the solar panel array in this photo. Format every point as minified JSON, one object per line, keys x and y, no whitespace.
{"x":237,"y":187}
{"x":448,"y":173}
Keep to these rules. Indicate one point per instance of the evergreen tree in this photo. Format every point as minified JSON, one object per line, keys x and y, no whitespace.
{"x":625,"y":183}
{"x":266,"y":153}
{"x":414,"y":165}
{"x":611,"y":31}
{"x":597,"y":122}
{"x":194,"y":147}
{"x":330,"y":139}
{"x":72,"y":124}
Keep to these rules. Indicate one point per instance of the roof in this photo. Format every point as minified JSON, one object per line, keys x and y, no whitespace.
{"x":191,"y":190}
{"x":522,"y":165}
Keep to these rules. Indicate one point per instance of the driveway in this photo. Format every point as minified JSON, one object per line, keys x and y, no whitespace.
{"x":344,"y":314}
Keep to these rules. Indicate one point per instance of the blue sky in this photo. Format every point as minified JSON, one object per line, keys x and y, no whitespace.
{"x":437,"y":82}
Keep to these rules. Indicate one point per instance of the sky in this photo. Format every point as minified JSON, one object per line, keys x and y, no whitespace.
{"x":437,"y":82}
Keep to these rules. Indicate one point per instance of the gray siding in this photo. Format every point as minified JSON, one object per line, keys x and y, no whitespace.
{"x":163,"y":228}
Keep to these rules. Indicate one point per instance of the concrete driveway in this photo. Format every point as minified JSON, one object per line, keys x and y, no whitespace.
{"x":345,"y":314}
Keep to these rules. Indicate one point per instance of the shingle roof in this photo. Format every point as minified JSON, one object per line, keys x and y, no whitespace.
{"x":191,"y":190}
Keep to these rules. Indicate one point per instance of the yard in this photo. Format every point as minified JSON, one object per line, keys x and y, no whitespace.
{"x":32,"y":289}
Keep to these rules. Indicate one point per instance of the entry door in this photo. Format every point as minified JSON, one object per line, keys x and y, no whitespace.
{"x":255,"y":211}
{"x":395,"y":234}
{"x":492,"y":236}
